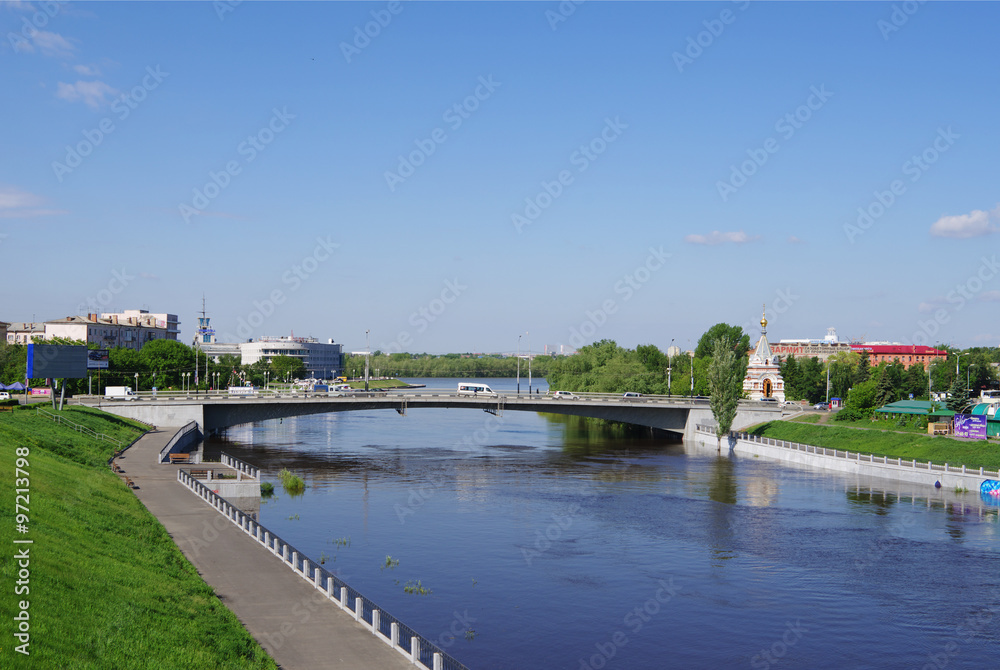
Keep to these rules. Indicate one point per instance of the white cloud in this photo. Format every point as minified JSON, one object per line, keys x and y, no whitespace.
{"x":87,"y":70}
{"x":92,"y":93}
{"x":990,"y":296}
{"x":975,"y":224}
{"x":792,"y":239}
{"x":52,"y":44}
{"x":721,"y":238}
{"x":18,"y":204}
{"x":14,"y":198}
{"x":19,"y":5}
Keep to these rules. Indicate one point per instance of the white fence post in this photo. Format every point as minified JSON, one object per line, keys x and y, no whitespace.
{"x":414,"y":650}
{"x":394,"y":634}
{"x":358,"y":604}
{"x":343,"y":598}
{"x":438,"y":661}
{"x":375,"y":621}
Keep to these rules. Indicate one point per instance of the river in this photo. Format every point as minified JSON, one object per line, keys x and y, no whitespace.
{"x":545,"y":544}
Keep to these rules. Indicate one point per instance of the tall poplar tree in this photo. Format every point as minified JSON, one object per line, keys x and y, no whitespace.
{"x":725,"y":381}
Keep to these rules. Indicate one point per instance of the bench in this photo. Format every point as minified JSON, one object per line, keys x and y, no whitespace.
{"x":180,"y":458}
{"x":198,"y":474}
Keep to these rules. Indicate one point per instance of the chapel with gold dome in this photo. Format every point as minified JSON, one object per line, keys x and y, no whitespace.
{"x":763,"y":378}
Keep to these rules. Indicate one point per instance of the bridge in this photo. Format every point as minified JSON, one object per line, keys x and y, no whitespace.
{"x":217,"y":411}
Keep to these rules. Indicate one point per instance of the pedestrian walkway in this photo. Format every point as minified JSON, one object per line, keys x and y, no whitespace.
{"x":293,"y":621}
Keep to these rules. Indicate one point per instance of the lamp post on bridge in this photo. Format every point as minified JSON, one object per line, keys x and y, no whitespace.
{"x":368,"y":353}
{"x":519,"y":364}
{"x":529,"y":362}
{"x":668,"y":365}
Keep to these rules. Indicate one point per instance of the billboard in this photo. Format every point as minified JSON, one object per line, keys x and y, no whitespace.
{"x":97,"y":359}
{"x":58,"y":361}
{"x":971,"y":426}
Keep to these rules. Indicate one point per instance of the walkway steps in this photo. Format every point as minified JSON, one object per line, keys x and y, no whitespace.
{"x":293,"y":621}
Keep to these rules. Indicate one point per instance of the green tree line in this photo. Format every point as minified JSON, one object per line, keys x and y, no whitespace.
{"x":447,"y":365}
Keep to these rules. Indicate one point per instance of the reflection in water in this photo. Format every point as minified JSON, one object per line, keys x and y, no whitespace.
{"x":866,"y":500}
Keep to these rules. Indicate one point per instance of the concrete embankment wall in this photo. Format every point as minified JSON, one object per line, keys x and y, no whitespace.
{"x":850,"y":462}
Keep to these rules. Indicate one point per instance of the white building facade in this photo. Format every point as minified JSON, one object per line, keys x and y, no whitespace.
{"x":322,"y":360}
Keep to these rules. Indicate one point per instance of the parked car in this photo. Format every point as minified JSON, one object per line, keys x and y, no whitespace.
{"x":821,"y":405}
{"x":4,"y":395}
{"x":769,"y":400}
{"x":564,"y":395}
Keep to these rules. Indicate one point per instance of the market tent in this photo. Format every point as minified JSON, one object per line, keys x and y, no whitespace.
{"x":16,"y":386}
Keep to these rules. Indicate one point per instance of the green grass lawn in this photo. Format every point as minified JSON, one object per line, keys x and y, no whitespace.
{"x":108,"y":587}
{"x":882,"y":443}
{"x":379,"y":384}
{"x":806,"y":418}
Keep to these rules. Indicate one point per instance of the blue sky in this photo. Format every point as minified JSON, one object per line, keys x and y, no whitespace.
{"x":467,"y":172}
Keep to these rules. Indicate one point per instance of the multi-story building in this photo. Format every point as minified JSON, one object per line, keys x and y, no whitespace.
{"x":168,"y":322}
{"x":24,"y":332}
{"x":130,"y":330}
{"x":3,"y":330}
{"x":322,"y":360}
{"x":906,"y":354}
{"x":878,"y":352}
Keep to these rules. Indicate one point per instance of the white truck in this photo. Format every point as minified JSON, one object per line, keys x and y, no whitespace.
{"x":119,"y":393}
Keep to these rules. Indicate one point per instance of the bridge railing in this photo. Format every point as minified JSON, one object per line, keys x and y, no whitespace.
{"x":420,"y":651}
{"x":855,"y":455}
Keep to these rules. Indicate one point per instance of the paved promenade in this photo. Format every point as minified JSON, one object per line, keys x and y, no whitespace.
{"x":293,"y":621}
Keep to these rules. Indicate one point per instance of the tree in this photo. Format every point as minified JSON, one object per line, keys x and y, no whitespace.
{"x":790,"y":373}
{"x":706,"y":345}
{"x":863,"y":371}
{"x":860,"y":402}
{"x":168,"y":359}
{"x":958,"y":396}
{"x":885,"y":392}
{"x":289,"y":367}
{"x":725,"y":380}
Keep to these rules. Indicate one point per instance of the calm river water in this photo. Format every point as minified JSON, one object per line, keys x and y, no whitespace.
{"x":547,"y":546}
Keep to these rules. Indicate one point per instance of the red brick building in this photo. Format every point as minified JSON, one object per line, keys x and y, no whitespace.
{"x":907,"y":354}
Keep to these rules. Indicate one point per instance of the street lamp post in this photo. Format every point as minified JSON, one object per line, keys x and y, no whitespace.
{"x":137,"y":383}
{"x":669,"y":368}
{"x":529,"y":362}
{"x":692,"y":374}
{"x":519,"y":364}
{"x":368,"y":353}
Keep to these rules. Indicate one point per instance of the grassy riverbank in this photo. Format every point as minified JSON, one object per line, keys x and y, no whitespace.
{"x":108,"y":587}
{"x":380,"y":384}
{"x":881,"y":442}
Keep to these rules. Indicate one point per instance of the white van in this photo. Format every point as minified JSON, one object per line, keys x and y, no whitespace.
{"x":475,"y":389}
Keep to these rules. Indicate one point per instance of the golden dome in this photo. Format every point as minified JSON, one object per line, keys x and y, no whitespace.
{"x":763,"y":319}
